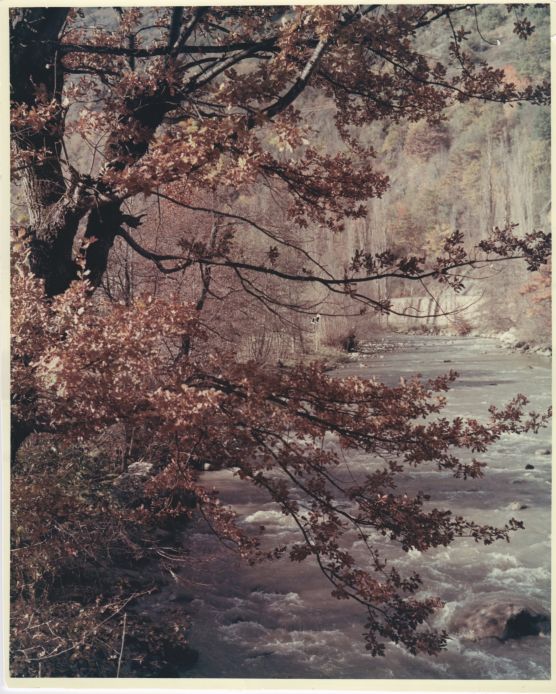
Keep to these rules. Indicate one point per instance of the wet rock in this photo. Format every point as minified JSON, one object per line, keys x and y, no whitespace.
{"x":529,"y":466}
{"x":260,"y":654}
{"x":509,"y":338}
{"x":516,"y":506}
{"x":237,"y":620}
{"x":140,"y":468}
{"x":181,"y":596}
{"x":526,"y":623}
{"x":129,"y":486}
{"x":543,"y":451}
{"x":502,"y":621}
{"x":543,"y":351}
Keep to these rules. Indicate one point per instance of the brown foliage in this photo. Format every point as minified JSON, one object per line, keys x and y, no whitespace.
{"x":195,"y":104}
{"x":103,"y":364}
{"x":80,"y":563}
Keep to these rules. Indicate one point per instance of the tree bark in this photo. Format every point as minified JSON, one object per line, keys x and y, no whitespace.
{"x":37,"y":80}
{"x":51,"y":244}
{"x":19,"y":431}
{"x":103,"y":225}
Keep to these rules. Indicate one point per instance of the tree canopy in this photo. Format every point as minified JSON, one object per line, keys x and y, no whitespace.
{"x":206,"y":97}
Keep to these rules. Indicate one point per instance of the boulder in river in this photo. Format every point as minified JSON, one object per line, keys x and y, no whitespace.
{"x":516,"y":506}
{"x":502,"y":621}
{"x":526,"y":623}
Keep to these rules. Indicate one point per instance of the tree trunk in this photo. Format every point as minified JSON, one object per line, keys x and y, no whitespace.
{"x":18,"y":433}
{"x":57,"y":196}
{"x":51,"y":244}
{"x":37,"y":81}
{"x":103,"y":225}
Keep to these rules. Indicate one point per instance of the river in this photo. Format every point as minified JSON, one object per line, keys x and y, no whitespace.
{"x":278,"y":620}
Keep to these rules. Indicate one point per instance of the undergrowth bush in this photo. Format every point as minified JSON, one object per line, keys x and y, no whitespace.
{"x":81,"y":563}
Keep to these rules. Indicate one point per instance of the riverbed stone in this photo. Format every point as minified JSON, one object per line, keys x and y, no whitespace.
{"x":129,"y":486}
{"x":526,"y":623}
{"x":503,"y":621}
{"x":181,"y":596}
{"x":516,"y":506}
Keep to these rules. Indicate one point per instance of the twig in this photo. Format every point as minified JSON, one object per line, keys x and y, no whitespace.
{"x":122,"y":646}
{"x":55,"y":654}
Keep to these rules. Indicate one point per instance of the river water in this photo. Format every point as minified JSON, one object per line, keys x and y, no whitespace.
{"x":278,"y":620}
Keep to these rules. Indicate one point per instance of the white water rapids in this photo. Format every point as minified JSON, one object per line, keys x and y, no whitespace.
{"x":278,"y":620}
